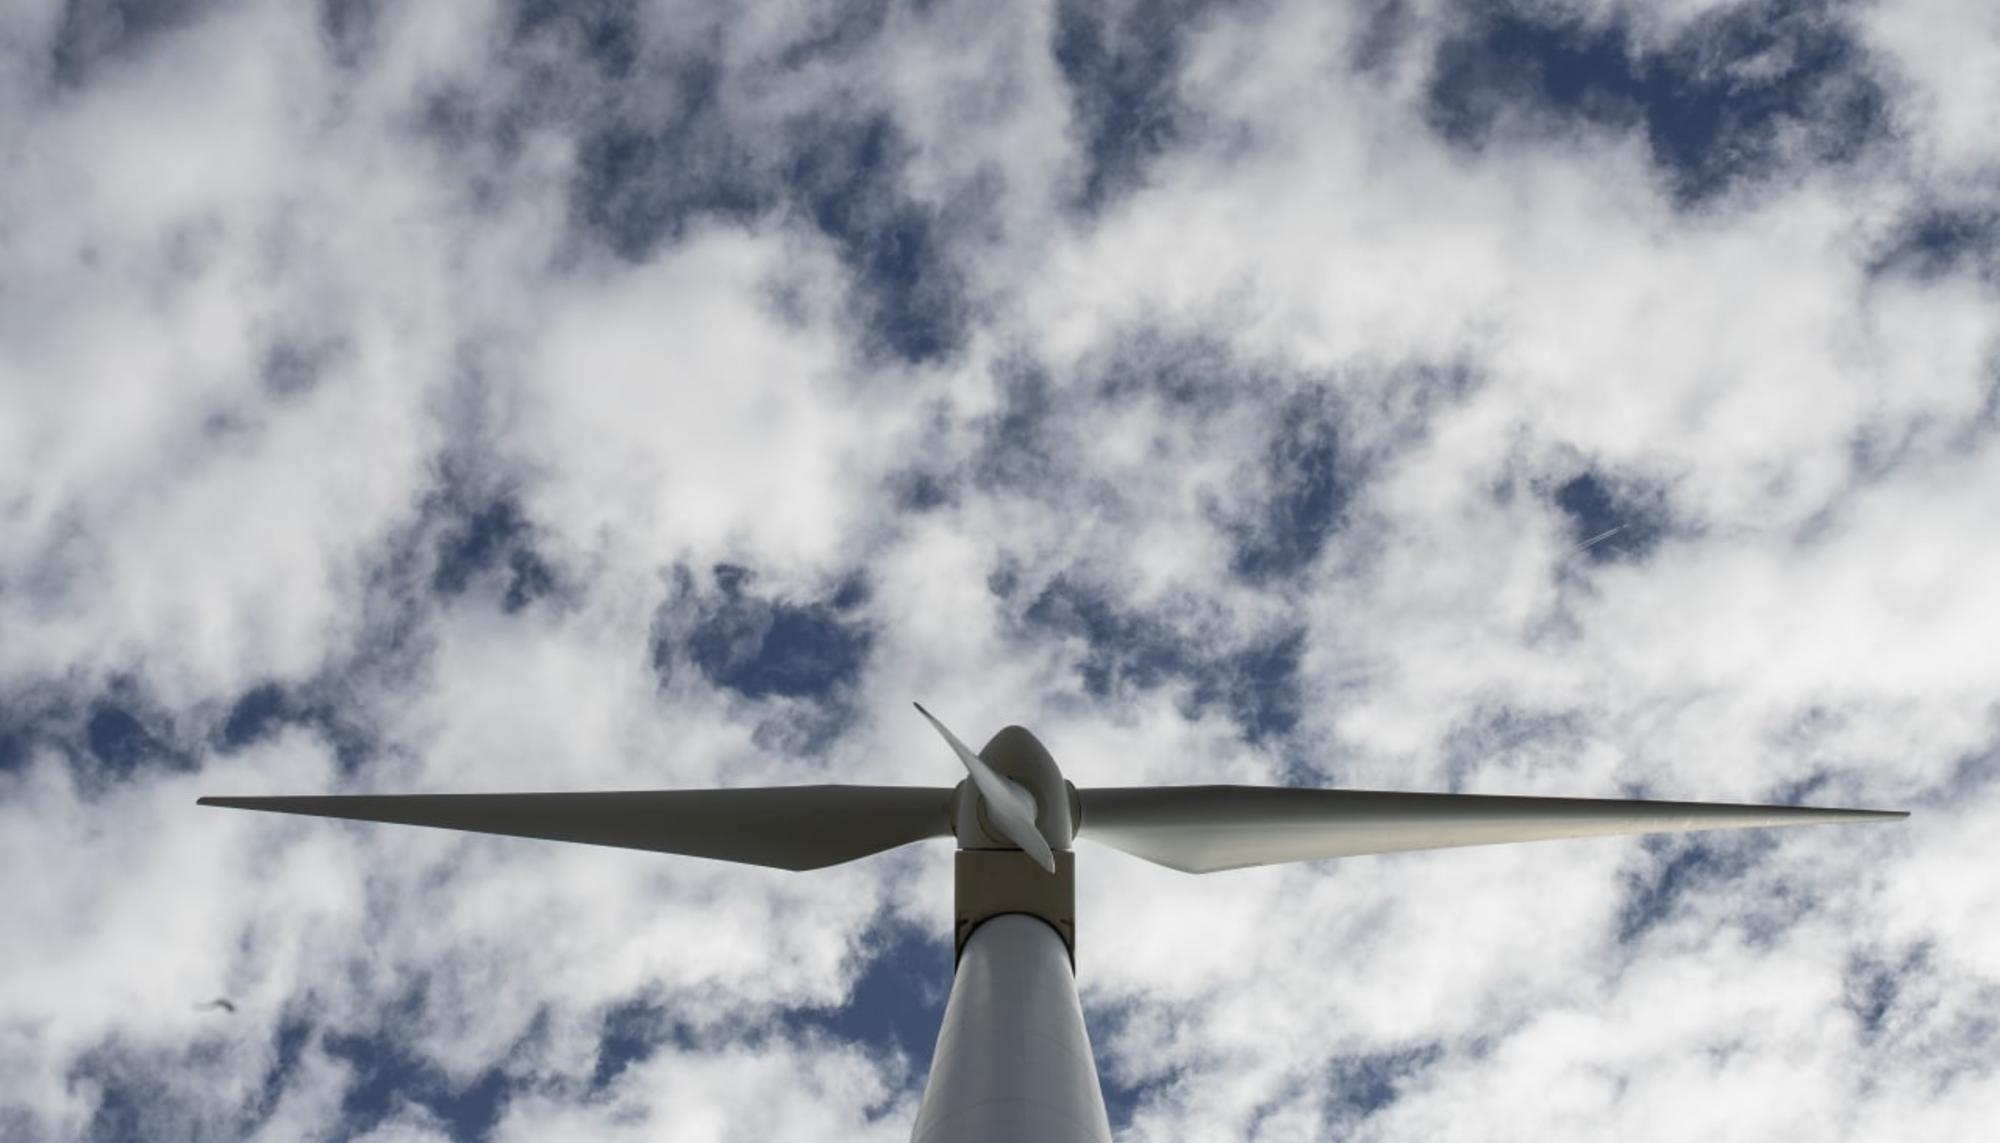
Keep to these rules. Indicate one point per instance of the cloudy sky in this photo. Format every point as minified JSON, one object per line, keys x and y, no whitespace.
{"x":1559,"y":397}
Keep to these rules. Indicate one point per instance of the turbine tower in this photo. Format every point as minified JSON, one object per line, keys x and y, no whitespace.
{"x":1013,"y":1059}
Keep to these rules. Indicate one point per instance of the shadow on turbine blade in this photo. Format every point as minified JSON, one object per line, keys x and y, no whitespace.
{"x":784,"y":827}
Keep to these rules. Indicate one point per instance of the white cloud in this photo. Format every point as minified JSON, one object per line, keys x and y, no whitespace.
{"x":271,"y":337}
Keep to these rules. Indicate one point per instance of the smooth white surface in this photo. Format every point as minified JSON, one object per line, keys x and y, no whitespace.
{"x":1013,"y":1059}
{"x":1010,"y":806}
{"x":1205,"y":829}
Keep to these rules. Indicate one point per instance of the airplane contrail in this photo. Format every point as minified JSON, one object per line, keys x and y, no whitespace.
{"x":1604,"y":535}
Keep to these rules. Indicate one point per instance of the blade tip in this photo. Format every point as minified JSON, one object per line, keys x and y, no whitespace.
{"x":1871,"y":815}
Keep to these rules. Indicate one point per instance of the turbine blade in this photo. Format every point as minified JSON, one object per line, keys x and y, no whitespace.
{"x":785,"y":827}
{"x":1203,"y":829}
{"x":1010,"y":807}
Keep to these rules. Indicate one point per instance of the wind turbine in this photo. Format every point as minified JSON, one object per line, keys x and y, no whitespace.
{"x":1013,"y":1059}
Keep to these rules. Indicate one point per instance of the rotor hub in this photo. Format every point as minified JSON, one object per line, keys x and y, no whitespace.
{"x":1019,"y":757}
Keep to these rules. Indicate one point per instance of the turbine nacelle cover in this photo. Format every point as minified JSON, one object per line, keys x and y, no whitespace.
{"x":1020,"y":758}
{"x":1002,"y":812}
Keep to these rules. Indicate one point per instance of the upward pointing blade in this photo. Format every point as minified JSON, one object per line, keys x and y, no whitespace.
{"x":1203,"y":829}
{"x":785,"y":827}
{"x":1011,"y":808}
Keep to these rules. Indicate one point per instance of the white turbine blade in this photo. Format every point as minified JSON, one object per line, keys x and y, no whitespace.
{"x":785,"y":827}
{"x":1010,"y":807}
{"x":1203,"y":829}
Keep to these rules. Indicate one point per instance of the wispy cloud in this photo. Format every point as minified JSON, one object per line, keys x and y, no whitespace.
{"x":1574,"y":398}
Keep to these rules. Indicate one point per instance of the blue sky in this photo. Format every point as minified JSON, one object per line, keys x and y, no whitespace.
{"x":1563,"y":398}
